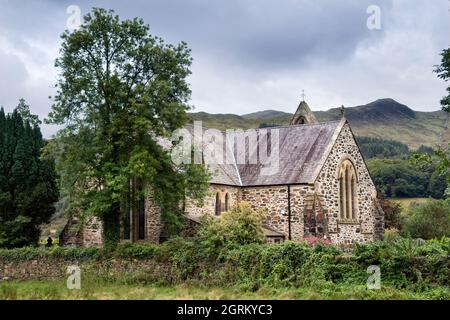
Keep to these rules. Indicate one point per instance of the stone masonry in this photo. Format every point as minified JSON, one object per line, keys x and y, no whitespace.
{"x":303,"y":200}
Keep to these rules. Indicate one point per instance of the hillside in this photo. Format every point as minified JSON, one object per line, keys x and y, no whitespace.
{"x":384,"y":118}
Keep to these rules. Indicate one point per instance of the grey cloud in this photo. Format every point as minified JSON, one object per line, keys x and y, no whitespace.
{"x":249,"y":54}
{"x":12,"y":77}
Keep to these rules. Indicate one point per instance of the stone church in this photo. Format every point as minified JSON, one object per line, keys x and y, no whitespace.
{"x":322,"y":188}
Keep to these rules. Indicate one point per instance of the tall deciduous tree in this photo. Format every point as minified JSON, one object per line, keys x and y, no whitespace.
{"x":443,"y":71}
{"x":28,"y":188}
{"x":442,"y":153}
{"x":121,"y":88}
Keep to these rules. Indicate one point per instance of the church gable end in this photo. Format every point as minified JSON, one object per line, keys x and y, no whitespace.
{"x":348,"y":193}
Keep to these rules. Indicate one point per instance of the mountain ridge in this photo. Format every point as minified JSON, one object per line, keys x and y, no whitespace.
{"x":383,"y":118}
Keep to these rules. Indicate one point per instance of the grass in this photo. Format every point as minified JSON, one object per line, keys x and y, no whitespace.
{"x":96,"y":290}
{"x":406,"y":202}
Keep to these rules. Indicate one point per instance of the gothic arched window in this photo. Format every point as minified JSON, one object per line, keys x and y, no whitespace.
{"x":347,"y":190}
{"x":227,"y":202}
{"x":218,"y":204}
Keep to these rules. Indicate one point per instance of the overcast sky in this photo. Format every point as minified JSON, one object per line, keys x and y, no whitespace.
{"x":252,"y":55}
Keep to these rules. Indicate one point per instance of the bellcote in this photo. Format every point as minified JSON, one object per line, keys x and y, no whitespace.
{"x":303,"y":115}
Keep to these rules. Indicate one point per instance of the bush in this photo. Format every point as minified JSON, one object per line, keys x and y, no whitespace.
{"x":240,"y":226}
{"x":391,"y":234}
{"x":429,"y":220}
{"x":136,"y":251}
{"x":392,"y":213}
{"x":67,"y":253}
{"x":420,"y":266}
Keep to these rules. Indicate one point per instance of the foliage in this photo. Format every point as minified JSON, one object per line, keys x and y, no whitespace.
{"x":28,"y":188}
{"x":392,"y":213}
{"x":240,"y":226}
{"x":312,"y":241}
{"x":136,"y":251}
{"x":119,"y":89}
{"x":400,"y":178}
{"x":437,"y":185}
{"x":421,"y":267}
{"x":443,"y":72}
{"x":24,"y":110}
{"x":429,"y":220}
{"x":425,"y":149}
{"x":440,"y":159}
{"x":267,"y":125}
{"x":442,"y":153}
{"x":34,"y":253}
{"x":407,"y":262}
{"x":391,"y":234}
{"x":381,"y":148}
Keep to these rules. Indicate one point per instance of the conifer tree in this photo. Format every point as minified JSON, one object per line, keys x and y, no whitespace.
{"x":28,"y":187}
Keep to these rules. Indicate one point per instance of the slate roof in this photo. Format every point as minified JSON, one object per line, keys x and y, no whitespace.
{"x":303,"y":150}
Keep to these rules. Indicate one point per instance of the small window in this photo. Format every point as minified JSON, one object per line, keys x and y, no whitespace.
{"x":227,"y":202}
{"x":218,"y":205}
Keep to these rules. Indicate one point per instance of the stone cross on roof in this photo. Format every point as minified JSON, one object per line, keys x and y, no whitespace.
{"x":342,"y":111}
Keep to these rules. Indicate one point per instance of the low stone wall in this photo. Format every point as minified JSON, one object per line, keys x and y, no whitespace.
{"x":54,"y":269}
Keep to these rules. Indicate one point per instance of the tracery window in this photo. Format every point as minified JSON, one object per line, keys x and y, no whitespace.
{"x":347,"y":191}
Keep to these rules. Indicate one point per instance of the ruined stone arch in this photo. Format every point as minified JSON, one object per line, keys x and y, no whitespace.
{"x":348,"y":186}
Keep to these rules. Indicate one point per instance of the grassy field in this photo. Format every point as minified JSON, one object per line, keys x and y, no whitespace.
{"x":406,"y":202}
{"x":56,"y":290}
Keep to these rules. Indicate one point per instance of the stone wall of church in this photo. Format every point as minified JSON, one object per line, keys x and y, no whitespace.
{"x":362,"y":229}
{"x":273,"y":203}
{"x":209,"y":203}
{"x":84,"y":233}
{"x":153,"y":225}
{"x":92,"y":233}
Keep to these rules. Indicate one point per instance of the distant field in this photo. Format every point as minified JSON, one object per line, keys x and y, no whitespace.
{"x":406,"y":202}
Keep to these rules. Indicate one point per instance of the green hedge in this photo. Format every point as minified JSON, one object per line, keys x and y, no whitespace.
{"x":35,"y":253}
{"x":404,"y":263}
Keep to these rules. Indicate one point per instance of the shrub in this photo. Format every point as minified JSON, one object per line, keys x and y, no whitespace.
{"x":429,"y":220}
{"x":312,"y":241}
{"x":405,"y":263}
{"x":240,"y":226}
{"x":392,"y":213}
{"x":136,"y":251}
{"x":67,"y":253}
{"x":391,"y":234}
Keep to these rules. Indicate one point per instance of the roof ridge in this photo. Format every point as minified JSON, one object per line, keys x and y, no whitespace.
{"x":303,"y":125}
{"x":234,"y":160}
{"x":278,"y":127}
